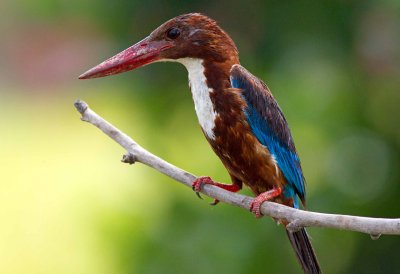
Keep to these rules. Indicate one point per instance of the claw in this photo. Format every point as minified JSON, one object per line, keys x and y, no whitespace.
{"x":215,"y":202}
{"x":198,"y":195}
{"x":255,"y":206}
{"x":199,"y":183}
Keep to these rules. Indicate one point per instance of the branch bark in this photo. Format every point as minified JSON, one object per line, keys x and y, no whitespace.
{"x":296,"y":218}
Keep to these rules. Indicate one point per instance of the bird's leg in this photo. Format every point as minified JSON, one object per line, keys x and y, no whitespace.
{"x":255,"y":206}
{"x":205,"y":180}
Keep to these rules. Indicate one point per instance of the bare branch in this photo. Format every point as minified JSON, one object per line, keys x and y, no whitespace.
{"x":297,"y":218}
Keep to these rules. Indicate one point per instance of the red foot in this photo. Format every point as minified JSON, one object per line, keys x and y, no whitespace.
{"x":200,"y":182}
{"x":205,"y":180}
{"x":255,"y":206}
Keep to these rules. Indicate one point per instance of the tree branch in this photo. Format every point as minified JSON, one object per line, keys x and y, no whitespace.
{"x":295,"y":217}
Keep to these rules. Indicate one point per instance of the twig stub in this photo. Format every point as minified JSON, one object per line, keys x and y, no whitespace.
{"x":128,"y":158}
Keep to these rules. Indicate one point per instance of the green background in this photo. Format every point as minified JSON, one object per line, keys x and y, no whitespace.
{"x":67,"y":205}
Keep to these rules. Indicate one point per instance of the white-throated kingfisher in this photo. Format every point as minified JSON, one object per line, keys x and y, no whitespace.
{"x":237,"y":113}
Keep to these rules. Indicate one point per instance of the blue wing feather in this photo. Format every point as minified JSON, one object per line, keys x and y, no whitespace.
{"x":269,"y":125}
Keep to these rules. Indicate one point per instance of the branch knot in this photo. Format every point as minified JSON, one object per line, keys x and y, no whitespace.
{"x":129,"y":158}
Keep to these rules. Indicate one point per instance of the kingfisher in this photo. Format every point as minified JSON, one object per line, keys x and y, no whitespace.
{"x":237,"y":112}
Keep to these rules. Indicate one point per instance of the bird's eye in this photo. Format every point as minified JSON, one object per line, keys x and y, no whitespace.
{"x":173,"y":33}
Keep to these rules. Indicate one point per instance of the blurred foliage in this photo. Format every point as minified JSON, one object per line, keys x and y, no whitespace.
{"x":69,"y":206}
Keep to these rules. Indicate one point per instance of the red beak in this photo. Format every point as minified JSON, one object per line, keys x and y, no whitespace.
{"x":138,"y":55}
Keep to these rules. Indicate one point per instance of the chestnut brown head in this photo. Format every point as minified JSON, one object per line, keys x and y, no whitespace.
{"x":186,"y":36}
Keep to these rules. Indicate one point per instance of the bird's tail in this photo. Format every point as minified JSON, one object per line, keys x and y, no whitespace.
{"x":304,"y":251}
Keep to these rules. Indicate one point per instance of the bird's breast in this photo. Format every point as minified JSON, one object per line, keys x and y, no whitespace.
{"x":203,"y":105}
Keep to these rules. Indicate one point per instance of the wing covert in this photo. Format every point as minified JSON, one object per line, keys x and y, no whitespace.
{"x":270,"y":127}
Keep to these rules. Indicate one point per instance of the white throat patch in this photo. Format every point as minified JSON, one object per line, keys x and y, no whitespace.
{"x":201,"y":94}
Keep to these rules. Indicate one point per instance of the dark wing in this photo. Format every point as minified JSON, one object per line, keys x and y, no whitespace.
{"x":270,"y":127}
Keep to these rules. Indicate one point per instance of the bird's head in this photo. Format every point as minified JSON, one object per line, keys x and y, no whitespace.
{"x":186,"y":36}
